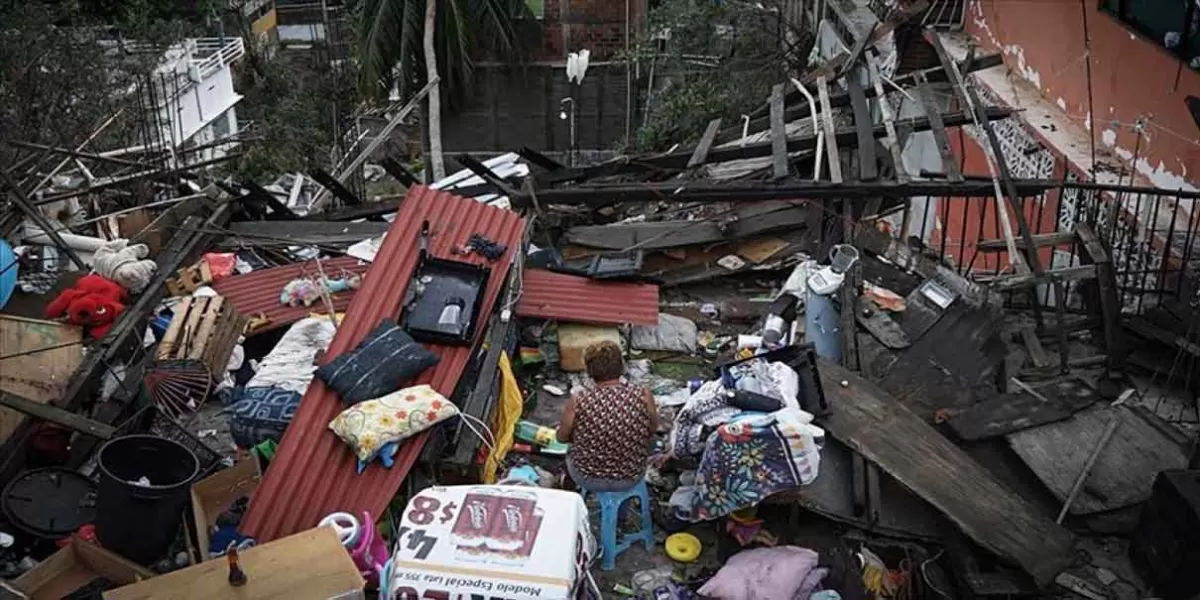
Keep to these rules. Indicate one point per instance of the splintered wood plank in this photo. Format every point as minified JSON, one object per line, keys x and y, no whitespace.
{"x":889,"y":122}
{"x":309,"y":564}
{"x":37,"y":359}
{"x":888,"y":434}
{"x":779,"y":161}
{"x":54,"y":414}
{"x":706,"y":142}
{"x":1037,"y":353}
{"x":1009,"y":413}
{"x":1123,"y":475}
{"x":831,"y":145}
{"x":868,"y":168}
{"x":760,"y":250}
{"x":933,"y":112}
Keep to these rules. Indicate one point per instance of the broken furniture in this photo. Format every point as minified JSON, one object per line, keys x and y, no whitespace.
{"x":310,"y":564}
{"x":186,"y":280}
{"x":214,"y":495}
{"x":1125,"y":467}
{"x":1098,"y":285}
{"x":193,"y":355}
{"x":37,"y":359}
{"x":888,"y":434}
{"x":77,"y":565}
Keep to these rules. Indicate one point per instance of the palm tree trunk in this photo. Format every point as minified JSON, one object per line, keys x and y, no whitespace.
{"x":435,"y":98}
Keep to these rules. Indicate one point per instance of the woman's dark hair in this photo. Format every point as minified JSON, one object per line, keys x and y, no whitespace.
{"x":604,"y":362}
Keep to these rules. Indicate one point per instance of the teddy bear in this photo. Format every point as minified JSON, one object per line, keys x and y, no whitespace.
{"x":125,"y":264}
{"x":93,"y":302}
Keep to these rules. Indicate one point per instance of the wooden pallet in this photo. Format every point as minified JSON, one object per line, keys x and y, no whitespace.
{"x":193,"y":354}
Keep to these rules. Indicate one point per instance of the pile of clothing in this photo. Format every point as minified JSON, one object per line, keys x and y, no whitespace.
{"x":748,"y":438}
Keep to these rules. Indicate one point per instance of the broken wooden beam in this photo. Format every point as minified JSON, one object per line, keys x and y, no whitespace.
{"x":888,"y":434}
{"x":754,"y":192}
{"x":798,"y":107}
{"x":970,"y":97}
{"x":868,"y":165}
{"x":402,"y":175}
{"x":1025,"y":280}
{"x":743,"y":222}
{"x":889,"y":123}
{"x":933,"y":111}
{"x":33,"y":214}
{"x":1040,"y":240}
{"x":539,"y":159}
{"x":1102,"y":295}
{"x":292,"y":233}
{"x":335,"y":187}
{"x":700,"y":155}
{"x":679,"y":160}
{"x":54,"y":414}
{"x":779,"y":158}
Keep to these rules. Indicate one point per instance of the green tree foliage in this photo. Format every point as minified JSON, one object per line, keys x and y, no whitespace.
{"x":65,"y":70}
{"x":291,"y":104}
{"x":719,"y":60}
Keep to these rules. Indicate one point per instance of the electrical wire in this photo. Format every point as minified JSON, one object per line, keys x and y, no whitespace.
{"x":1087,"y":49}
{"x":490,"y":440}
{"x":925,"y":576}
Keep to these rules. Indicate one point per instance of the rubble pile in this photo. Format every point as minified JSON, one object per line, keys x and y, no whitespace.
{"x":745,"y":369}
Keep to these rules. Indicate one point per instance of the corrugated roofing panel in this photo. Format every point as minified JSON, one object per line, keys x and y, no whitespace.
{"x":313,"y":473}
{"x":549,"y":295}
{"x":258,"y":291}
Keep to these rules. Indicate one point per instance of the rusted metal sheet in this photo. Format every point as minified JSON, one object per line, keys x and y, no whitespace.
{"x":549,"y":295}
{"x":313,"y":473}
{"x":258,"y":292}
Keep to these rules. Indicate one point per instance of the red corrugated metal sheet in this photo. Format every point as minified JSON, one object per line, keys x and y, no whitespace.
{"x":258,"y":291}
{"x":313,"y":473}
{"x":549,"y":295}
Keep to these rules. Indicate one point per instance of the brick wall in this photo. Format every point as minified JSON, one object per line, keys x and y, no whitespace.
{"x":598,"y":25}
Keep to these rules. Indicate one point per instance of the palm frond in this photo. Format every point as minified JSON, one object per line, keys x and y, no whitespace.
{"x":390,"y":46}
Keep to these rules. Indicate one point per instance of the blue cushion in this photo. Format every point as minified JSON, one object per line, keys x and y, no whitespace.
{"x":261,"y":413}
{"x":385,"y":361}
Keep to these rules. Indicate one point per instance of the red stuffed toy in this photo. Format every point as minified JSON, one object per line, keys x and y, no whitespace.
{"x":94,"y":302}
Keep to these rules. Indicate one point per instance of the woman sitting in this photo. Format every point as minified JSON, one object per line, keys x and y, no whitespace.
{"x":610,"y":427}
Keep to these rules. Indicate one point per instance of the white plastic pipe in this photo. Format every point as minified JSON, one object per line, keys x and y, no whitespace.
{"x":812,"y":112}
{"x":83,"y":243}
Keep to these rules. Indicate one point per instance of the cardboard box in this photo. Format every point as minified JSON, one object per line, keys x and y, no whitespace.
{"x":75,"y":566}
{"x":309,"y":564}
{"x":574,"y":339}
{"x":214,"y":495}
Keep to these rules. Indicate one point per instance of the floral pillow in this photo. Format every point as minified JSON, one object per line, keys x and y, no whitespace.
{"x":369,"y":426}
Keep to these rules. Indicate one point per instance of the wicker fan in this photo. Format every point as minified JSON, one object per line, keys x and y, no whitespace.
{"x":178,"y":388}
{"x":193,"y":354}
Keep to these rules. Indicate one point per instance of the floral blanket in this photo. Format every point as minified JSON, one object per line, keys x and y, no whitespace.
{"x":748,"y":459}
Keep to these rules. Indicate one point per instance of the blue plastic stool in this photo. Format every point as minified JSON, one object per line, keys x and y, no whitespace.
{"x":610,"y":510}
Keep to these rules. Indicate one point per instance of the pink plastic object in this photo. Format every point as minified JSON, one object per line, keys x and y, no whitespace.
{"x":368,"y":550}
{"x":371,"y":553}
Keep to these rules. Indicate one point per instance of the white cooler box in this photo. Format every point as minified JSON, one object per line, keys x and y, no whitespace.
{"x":492,"y":542}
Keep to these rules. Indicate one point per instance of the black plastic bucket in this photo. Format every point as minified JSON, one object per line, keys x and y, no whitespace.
{"x":138,"y":521}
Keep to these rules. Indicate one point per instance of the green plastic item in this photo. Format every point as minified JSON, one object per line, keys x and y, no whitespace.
{"x":541,"y":436}
{"x":266,"y":449}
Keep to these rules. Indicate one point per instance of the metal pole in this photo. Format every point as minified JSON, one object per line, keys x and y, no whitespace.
{"x":31,"y":211}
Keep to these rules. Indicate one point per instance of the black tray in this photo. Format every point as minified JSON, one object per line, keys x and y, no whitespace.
{"x":449,"y":280}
